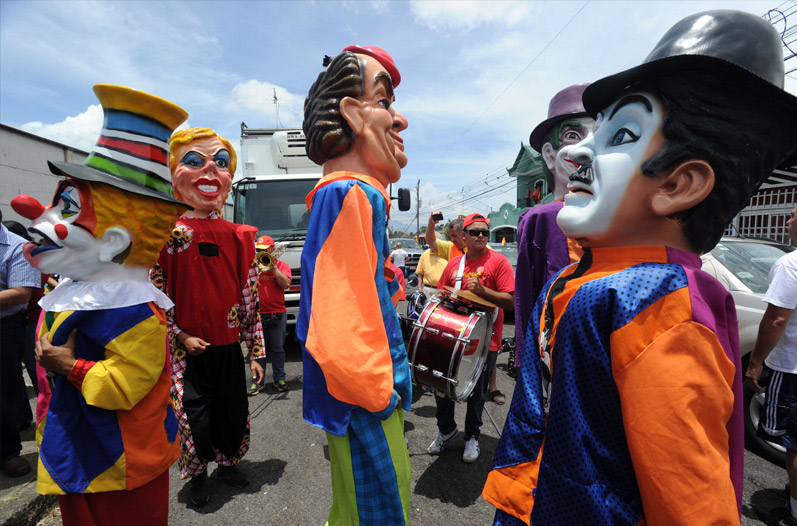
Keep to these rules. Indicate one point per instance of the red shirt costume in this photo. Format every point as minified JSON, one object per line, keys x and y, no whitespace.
{"x":495,"y":273}
{"x":270,"y":295}
{"x":196,"y":263}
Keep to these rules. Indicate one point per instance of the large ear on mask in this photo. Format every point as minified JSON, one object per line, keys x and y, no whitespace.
{"x":683,"y":188}
{"x":114,"y":242}
{"x":549,"y":156}
{"x":352,"y":110}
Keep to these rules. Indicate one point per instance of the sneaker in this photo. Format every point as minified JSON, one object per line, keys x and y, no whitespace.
{"x":471,"y":453}
{"x":232,"y":476}
{"x":281,"y":386}
{"x":255,"y":388}
{"x":439,"y":443}
{"x":199,"y":489}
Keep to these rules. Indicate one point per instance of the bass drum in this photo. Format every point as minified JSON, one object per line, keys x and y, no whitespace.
{"x":449,"y":345}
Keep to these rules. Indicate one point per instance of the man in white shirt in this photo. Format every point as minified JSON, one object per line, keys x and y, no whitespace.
{"x":777,"y":347}
{"x":399,"y":257}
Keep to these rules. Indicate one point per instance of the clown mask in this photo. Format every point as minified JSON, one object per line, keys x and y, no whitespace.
{"x":69,"y":246}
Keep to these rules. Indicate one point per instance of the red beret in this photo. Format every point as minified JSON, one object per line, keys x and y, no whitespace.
{"x":382,"y":56}
{"x":473,"y":218}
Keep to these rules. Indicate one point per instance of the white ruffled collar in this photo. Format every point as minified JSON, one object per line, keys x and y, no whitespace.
{"x":97,"y":295}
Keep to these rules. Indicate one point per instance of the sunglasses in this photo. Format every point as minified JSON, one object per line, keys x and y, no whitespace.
{"x":476,"y":232}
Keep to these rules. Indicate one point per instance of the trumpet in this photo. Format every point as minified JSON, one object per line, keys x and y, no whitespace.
{"x":268,"y":260}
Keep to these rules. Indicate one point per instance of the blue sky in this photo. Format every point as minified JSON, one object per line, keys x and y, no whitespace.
{"x":476,"y":76}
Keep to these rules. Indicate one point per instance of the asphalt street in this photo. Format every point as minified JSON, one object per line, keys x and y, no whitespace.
{"x":289,"y":473}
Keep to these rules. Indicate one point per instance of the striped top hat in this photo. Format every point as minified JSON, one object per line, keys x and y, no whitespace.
{"x":132,"y":152}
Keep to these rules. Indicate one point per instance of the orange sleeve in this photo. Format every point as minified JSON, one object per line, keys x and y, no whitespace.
{"x":676,"y":397}
{"x":346,"y":334}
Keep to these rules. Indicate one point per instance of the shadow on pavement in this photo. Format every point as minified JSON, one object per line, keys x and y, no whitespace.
{"x":261,"y":474}
{"x":767,"y":505}
{"x":452,"y":481}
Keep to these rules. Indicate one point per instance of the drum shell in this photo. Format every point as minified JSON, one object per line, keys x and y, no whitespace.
{"x":450,"y":338}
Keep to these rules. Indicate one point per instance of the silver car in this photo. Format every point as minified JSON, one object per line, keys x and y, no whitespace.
{"x":742,"y":266}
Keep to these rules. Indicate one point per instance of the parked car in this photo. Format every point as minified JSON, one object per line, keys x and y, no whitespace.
{"x":413,"y":249}
{"x":510,"y":251}
{"x":742,"y":266}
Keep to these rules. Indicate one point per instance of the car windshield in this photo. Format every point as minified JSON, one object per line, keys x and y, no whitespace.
{"x":750,"y":261}
{"x":510,"y":251}
{"x":276,"y":208}
{"x":405,"y":242}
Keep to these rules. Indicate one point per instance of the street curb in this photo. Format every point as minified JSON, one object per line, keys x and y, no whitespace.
{"x":32,"y":512}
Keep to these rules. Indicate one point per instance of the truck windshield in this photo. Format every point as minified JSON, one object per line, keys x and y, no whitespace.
{"x":276,"y":208}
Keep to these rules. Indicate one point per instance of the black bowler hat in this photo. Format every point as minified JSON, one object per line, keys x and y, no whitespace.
{"x":740,"y":46}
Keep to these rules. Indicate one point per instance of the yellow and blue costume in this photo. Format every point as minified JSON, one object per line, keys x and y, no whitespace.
{"x":110,"y":424}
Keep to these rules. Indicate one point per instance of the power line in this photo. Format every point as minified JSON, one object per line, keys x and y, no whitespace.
{"x":533,"y":60}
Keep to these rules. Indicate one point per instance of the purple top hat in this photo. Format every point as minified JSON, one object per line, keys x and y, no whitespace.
{"x":565,"y":104}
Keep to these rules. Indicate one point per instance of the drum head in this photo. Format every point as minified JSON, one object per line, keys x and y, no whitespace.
{"x":473,"y":354}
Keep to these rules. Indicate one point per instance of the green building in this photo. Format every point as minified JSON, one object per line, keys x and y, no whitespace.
{"x":530,"y":177}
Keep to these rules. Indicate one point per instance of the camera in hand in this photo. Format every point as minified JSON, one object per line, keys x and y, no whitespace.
{"x":438,"y":216}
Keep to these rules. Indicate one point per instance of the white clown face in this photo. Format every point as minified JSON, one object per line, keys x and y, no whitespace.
{"x":608,"y":202}
{"x":69,"y":247}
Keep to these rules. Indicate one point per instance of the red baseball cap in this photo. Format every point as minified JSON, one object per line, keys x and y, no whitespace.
{"x":473,"y":218}
{"x":264,"y":242}
{"x":382,"y":56}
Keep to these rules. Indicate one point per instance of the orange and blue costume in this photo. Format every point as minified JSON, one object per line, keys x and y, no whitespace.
{"x":356,"y":377}
{"x":632,"y":412}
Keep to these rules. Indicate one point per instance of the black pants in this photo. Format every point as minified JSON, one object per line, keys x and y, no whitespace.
{"x":215,"y":401}
{"x":473,"y":414}
{"x":12,"y":336}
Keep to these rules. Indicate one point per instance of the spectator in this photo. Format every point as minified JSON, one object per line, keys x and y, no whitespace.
{"x":777,"y":347}
{"x":430,"y":268}
{"x":455,"y":245}
{"x":17,"y":281}
{"x":399,"y":257}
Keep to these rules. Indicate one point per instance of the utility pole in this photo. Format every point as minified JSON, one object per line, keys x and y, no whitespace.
{"x":418,"y":208}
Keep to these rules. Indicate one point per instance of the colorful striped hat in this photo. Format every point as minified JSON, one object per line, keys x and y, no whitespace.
{"x":132,"y":152}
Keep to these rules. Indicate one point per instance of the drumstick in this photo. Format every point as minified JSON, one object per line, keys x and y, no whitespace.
{"x":493,"y":421}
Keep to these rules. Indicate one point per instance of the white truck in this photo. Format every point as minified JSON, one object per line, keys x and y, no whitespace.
{"x":269,"y":193}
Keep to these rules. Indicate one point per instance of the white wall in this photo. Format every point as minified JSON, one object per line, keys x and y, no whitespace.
{"x":24,"y":170}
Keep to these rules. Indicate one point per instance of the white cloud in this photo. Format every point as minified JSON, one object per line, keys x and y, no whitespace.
{"x":80,"y":131}
{"x":256,"y":98}
{"x":463,"y":14}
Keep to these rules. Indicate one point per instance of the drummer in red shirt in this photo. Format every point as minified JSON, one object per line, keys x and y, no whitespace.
{"x":489,"y":275}
{"x":272,"y":282}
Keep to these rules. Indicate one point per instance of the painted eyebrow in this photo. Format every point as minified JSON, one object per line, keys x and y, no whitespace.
{"x":382,"y":75}
{"x":631,"y":99}
{"x":221,"y":150}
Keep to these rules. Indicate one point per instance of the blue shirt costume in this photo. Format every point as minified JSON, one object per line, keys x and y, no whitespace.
{"x":643,"y":415}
